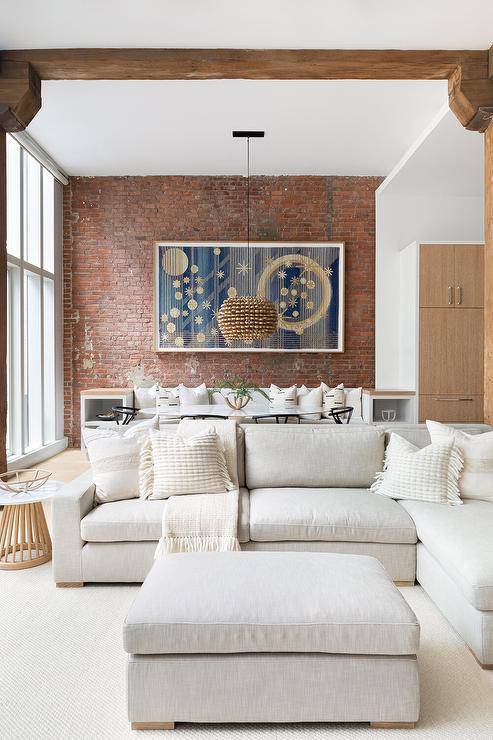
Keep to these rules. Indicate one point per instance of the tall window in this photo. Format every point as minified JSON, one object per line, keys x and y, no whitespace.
{"x":34,"y":306}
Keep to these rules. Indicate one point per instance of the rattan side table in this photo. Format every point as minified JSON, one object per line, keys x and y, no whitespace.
{"x":24,"y":537}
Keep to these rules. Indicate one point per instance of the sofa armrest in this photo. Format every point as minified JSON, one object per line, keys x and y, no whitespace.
{"x":70,"y":505}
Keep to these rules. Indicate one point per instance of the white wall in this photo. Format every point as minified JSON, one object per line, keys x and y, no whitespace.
{"x":410,"y":209}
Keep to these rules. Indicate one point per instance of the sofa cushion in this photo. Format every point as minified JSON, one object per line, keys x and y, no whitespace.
{"x":137,"y":520}
{"x":461,"y":539}
{"x":232,"y":602}
{"x":124,"y":521}
{"x":328,"y":514}
{"x":333,"y":456}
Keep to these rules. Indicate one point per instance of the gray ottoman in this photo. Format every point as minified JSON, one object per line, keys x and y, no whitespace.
{"x":270,"y":637}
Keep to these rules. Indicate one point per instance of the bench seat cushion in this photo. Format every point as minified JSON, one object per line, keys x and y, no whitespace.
{"x":136,"y":520}
{"x":237,"y":602}
{"x":461,"y":539}
{"x":327,"y":514}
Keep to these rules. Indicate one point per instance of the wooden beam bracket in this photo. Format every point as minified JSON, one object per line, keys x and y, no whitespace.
{"x":471,"y":101}
{"x":20,"y":95}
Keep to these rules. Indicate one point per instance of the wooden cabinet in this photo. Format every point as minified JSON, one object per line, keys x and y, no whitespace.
{"x":451,"y":276}
{"x":451,"y":335}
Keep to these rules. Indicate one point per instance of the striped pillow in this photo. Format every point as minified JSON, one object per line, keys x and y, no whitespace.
{"x":172,"y":465}
{"x":428,"y":474}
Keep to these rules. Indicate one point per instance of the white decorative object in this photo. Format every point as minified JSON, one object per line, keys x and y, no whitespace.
{"x":193,"y":396}
{"x":427,"y":474}
{"x":388,"y":415}
{"x":23,"y":481}
{"x":282,"y":398}
{"x":172,"y":465}
{"x":476,"y":479}
{"x":309,"y":399}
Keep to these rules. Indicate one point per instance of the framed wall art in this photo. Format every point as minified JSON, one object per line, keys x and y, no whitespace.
{"x":304,"y":280}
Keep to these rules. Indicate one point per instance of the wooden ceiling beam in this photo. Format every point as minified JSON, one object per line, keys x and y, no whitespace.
{"x":20,"y":95}
{"x":254,"y":64}
{"x":471,"y":101}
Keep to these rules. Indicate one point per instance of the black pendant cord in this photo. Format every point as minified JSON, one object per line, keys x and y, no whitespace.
{"x":248,"y":197}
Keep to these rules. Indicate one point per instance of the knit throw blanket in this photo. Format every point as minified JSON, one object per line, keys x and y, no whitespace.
{"x":204,"y":522}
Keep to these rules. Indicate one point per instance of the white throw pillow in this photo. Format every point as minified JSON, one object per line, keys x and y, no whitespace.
{"x":353,"y":398}
{"x":309,"y":399}
{"x":282,"y":398}
{"x":332,"y":398}
{"x":168,"y":398}
{"x":193,"y":396}
{"x":114,"y":454}
{"x":172,"y":465}
{"x":144,"y":398}
{"x":476,"y":479}
{"x":427,"y":474}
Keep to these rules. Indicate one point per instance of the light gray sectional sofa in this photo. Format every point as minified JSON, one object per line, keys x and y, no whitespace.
{"x":305,"y":488}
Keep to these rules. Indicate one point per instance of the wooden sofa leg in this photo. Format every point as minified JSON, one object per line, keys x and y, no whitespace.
{"x":403,"y":584}
{"x":76,"y":584}
{"x":153,"y":725}
{"x":392,"y":725}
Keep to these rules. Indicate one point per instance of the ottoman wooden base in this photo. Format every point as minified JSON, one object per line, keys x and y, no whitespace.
{"x":272,"y":687}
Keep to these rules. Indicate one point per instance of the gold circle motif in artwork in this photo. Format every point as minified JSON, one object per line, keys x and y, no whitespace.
{"x":309,"y":264}
{"x":175,"y":261}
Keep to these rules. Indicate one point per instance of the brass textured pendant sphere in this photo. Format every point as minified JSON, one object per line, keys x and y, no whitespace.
{"x":247,"y":318}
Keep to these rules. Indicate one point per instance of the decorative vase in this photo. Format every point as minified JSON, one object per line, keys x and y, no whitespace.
{"x":237,"y":402}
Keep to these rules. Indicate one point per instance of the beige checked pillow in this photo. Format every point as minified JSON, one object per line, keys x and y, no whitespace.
{"x":428,"y":474}
{"x":172,"y":465}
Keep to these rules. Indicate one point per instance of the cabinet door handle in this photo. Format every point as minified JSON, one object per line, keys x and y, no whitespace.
{"x":459,"y":295}
{"x":450,"y":295}
{"x":447,"y":398}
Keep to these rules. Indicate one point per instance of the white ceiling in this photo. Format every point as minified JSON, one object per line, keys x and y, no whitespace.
{"x":418,"y":24}
{"x":184,"y":127}
{"x":448,"y":162}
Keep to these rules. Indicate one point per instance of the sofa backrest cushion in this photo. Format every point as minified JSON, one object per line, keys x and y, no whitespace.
{"x":312,"y":455}
{"x":418,"y":434}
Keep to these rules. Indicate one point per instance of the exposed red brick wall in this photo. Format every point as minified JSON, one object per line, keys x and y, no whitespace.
{"x":110,"y":226}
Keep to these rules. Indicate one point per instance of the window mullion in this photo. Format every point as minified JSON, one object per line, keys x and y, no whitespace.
{"x":22,"y":405}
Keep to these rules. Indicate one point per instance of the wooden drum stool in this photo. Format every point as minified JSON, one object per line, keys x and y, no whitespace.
{"x":24,"y":537}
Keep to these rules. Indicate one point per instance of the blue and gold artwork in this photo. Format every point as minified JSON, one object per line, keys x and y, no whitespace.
{"x":304,"y":280}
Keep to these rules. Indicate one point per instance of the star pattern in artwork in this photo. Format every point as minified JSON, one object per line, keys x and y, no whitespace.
{"x":328,"y":271}
{"x":206,"y":304}
{"x":214,"y":331}
{"x":199,"y":280}
{"x":176,"y":283}
{"x":293,"y":302}
{"x":189,"y":291}
{"x":295,"y":281}
{"x":198,"y":320}
{"x":281,"y":274}
{"x":220,"y":274}
{"x":186,"y":279}
{"x":243,"y":268}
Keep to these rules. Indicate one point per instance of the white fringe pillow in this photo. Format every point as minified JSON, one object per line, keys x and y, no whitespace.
{"x":428,"y":474}
{"x":171,"y":465}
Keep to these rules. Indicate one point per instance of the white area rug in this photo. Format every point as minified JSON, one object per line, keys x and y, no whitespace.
{"x":62,"y":672}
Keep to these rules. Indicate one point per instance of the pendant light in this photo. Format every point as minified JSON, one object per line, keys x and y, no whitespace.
{"x":247,"y":318}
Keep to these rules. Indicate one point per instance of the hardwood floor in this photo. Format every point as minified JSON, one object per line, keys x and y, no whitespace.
{"x":67,"y":465}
